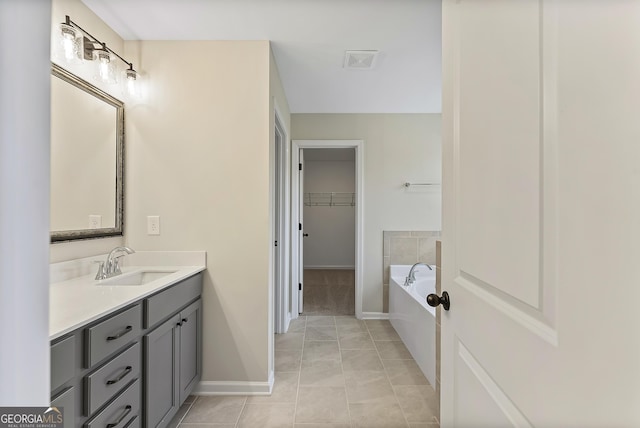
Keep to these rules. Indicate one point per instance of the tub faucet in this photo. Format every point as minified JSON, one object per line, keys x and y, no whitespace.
{"x":412,"y":273}
{"x":111,"y":267}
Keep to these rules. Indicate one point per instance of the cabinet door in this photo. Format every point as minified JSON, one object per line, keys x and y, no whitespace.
{"x":161,"y":373}
{"x":66,"y":401}
{"x":190,"y":348}
{"x":63,"y":362}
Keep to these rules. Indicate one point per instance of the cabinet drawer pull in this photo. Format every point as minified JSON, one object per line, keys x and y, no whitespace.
{"x":119,"y":378}
{"x":184,"y":320}
{"x":130,"y":422}
{"x":128,"y":409}
{"x":120,"y":334}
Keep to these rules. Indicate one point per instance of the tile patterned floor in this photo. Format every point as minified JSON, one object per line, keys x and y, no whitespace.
{"x":330,"y":372}
{"x":329,"y":292}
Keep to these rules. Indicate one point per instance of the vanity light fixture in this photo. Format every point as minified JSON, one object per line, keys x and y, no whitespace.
{"x":77,"y":43}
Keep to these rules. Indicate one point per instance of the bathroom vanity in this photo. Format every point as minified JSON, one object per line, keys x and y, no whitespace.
{"x":127,"y":351}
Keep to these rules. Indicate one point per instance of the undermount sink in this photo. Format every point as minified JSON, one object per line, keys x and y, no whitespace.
{"x":136,"y":278}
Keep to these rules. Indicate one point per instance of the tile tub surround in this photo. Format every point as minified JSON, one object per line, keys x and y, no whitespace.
{"x":356,"y":375}
{"x":405,"y":248}
{"x":75,"y":299}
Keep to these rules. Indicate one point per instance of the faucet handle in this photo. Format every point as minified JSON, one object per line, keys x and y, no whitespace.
{"x":116,"y":264}
{"x":100,"y":274}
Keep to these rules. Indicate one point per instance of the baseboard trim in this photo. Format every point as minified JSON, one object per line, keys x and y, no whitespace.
{"x":375,"y":316}
{"x":234,"y":388}
{"x":331,"y":267}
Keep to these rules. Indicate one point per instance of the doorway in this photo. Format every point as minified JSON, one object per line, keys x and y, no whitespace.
{"x":328,"y":231}
{"x":326,"y":201}
{"x":282,"y":294}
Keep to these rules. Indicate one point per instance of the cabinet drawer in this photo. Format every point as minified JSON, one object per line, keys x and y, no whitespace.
{"x":63,"y":361}
{"x":66,"y":401}
{"x":171,"y":300}
{"x":105,"y":382}
{"x":121,"y":411}
{"x":107,"y":337}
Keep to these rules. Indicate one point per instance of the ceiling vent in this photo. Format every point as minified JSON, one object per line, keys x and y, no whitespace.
{"x":360,"y":60}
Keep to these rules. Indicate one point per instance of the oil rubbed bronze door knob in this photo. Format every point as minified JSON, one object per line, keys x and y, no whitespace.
{"x":433,"y":300}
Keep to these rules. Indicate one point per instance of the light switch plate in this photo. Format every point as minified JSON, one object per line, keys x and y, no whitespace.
{"x":153,"y":225}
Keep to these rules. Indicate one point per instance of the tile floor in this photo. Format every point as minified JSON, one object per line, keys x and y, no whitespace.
{"x":329,"y":292}
{"x":330,"y":372}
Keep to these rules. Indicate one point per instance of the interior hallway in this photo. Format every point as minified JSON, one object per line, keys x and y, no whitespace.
{"x":330,"y":372}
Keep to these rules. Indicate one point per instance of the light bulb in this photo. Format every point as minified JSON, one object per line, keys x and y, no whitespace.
{"x":70,"y":43}
{"x":105,"y":72}
{"x":103,"y":67}
{"x":131,"y":82}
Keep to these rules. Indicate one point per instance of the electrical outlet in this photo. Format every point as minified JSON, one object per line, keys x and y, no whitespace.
{"x":153,"y":225}
{"x":95,"y":221}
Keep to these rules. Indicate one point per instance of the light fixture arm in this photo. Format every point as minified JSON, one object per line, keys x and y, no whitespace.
{"x":94,"y":39}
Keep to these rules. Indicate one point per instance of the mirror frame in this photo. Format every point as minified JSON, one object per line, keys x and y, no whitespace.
{"x":70,"y":235}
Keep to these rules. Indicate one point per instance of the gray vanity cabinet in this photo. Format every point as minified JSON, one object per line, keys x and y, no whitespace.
{"x":133,"y":367}
{"x":173,"y":364}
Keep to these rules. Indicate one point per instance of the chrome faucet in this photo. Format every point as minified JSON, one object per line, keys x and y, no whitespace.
{"x":111,"y":267}
{"x":412,"y":273}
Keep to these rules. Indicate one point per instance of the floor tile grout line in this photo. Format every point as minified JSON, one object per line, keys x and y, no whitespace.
{"x":187,"y":412}
{"x":386,"y":374}
{"x":344,"y":378}
{"x":295,"y":407}
{"x":241,"y":410}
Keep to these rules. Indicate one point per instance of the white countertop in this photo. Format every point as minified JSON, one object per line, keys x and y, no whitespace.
{"x":77,"y":301}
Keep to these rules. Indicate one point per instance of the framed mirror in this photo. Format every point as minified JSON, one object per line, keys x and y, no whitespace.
{"x":87,"y":159}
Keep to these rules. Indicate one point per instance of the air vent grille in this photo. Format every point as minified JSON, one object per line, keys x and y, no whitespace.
{"x":361,"y":60}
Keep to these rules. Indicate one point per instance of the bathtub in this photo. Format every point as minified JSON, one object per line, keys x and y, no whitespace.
{"x":413,"y":319}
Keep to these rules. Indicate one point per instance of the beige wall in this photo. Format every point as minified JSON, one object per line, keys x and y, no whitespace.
{"x":84,"y":17}
{"x":331,"y":229}
{"x":198,"y":155}
{"x":397,"y":148}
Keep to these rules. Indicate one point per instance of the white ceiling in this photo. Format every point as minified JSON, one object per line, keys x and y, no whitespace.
{"x":309,"y":38}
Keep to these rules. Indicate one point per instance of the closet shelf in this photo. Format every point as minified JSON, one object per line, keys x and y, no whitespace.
{"x":330,"y":199}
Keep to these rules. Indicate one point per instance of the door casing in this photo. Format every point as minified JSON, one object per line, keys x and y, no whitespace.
{"x":358,"y":146}
{"x":281,"y":227}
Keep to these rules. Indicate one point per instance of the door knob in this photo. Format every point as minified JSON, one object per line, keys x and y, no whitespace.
{"x":305,"y":234}
{"x":434,"y":300}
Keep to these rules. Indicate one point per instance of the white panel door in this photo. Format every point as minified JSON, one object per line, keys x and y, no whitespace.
{"x":541,"y":213}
